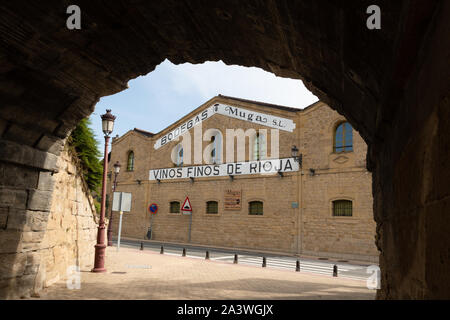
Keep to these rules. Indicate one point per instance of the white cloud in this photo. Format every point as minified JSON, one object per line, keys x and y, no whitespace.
{"x":211,"y":78}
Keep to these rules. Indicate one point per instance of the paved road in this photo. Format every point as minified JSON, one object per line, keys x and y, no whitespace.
{"x":345,"y":270}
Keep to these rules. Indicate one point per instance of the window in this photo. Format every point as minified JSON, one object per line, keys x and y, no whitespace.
{"x":216,"y":151}
{"x":255,"y":208}
{"x":342,"y":208}
{"x":259,"y":147}
{"x":179,"y":155}
{"x":343,"y":138}
{"x":174,"y":207}
{"x":212,"y":207}
{"x":130,"y":161}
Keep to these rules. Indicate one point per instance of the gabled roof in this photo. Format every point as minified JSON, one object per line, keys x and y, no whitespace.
{"x":141,"y":132}
{"x":145,"y":133}
{"x":264,"y":104}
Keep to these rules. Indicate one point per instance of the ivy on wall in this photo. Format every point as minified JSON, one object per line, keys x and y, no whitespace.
{"x":82,"y":141}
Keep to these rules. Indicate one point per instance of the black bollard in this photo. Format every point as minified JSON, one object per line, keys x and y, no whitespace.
{"x":264,"y":262}
{"x":184,"y":252}
{"x":235,"y":259}
{"x":142,"y":246}
{"x":207,"y":255}
{"x":162,"y":250}
{"x":297,"y":266}
{"x":335,"y":271}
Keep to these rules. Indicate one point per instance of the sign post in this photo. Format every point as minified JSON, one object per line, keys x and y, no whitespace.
{"x":187,"y":209}
{"x":120,"y":230}
{"x":153,"y":209}
{"x":121,"y":203}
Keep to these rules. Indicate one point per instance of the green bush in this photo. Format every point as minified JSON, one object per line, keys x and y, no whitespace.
{"x":82,"y":140}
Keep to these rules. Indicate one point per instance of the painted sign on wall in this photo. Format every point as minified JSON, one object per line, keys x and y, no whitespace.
{"x":270,"y":166}
{"x":229,"y":111}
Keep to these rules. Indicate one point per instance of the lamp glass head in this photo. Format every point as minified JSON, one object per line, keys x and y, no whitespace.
{"x":108,"y":122}
{"x":117,"y":167}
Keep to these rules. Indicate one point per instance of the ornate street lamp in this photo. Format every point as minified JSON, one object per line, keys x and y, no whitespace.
{"x":100,"y":247}
{"x":298,"y":158}
{"x":116,"y":173}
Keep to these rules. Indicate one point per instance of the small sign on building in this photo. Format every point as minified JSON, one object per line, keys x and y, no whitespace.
{"x":233,"y":199}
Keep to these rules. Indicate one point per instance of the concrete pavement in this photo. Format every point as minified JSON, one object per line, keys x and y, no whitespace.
{"x":135,"y":274}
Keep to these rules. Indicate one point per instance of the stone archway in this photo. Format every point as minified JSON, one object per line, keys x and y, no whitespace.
{"x":392,"y":84}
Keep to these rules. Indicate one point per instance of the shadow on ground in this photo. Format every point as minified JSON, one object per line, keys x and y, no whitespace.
{"x":249,"y":288}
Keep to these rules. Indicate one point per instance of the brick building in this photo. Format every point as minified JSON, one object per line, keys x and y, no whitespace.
{"x":235,"y":160}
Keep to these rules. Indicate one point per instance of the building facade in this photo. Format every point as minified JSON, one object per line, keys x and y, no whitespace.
{"x":237,"y":163}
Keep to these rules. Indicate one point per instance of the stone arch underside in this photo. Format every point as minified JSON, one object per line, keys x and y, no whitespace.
{"x":391,"y":84}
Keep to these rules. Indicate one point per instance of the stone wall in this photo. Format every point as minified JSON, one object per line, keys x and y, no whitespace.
{"x":72,"y":225}
{"x":58,"y":231}
{"x":336,"y":176}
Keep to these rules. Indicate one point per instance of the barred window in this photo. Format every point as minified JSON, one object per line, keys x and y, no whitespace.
{"x":174,"y":207}
{"x":255,"y":208}
{"x":343,"y":138}
{"x":130,"y":161}
{"x":212,"y":207}
{"x":342,"y":208}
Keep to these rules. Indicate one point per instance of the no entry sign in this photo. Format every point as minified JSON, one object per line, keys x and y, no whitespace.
{"x":153,"y":208}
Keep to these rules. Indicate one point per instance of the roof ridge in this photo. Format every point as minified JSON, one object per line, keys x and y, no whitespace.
{"x":267,"y":104}
{"x":145,"y":132}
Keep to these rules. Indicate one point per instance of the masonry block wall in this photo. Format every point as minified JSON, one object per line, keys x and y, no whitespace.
{"x":48,"y":223}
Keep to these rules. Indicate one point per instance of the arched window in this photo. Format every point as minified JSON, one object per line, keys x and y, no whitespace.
{"x":174,"y":207}
{"x":179,"y":155}
{"x":212,"y":207}
{"x":216,"y":150}
{"x":259,"y":146}
{"x":255,"y":208}
{"x":130,"y":161}
{"x":342,"y":208}
{"x":343,"y":138}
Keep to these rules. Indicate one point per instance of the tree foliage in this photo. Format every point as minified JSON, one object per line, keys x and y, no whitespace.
{"x":83,"y":141}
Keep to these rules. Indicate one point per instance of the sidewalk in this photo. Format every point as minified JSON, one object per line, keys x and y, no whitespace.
{"x":134,"y":274}
{"x":247,"y":250}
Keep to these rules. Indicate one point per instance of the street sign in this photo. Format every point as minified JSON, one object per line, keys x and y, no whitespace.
{"x":186,"y":205}
{"x":153,"y":208}
{"x":122,"y":201}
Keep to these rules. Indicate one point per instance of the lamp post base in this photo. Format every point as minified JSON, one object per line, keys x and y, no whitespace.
{"x":99,"y":264}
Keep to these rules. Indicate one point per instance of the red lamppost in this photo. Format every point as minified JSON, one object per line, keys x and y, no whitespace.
{"x":116,"y":173}
{"x":100,"y":247}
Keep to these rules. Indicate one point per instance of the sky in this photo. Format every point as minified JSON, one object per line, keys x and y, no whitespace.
{"x":156,"y":100}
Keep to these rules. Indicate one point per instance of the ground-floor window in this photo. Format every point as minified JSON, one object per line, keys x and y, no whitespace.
{"x":212,"y":207}
{"x":342,"y":208}
{"x":174,"y":207}
{"x":255,"y":208}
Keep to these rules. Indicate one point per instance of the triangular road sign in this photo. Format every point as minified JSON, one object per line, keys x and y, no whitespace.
{"x":186,"y":205}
